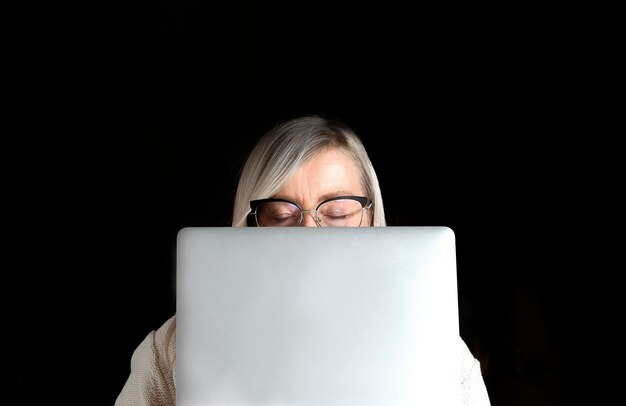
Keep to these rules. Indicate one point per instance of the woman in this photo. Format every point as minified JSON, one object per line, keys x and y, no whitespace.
{"x":301,"y":173}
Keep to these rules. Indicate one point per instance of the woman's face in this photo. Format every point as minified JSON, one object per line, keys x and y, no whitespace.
{"x":331,"y":173}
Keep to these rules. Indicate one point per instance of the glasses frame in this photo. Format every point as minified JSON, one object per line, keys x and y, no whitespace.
{"x":366,"y":204}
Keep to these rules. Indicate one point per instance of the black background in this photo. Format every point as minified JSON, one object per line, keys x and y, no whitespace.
{"x":503,"y":123}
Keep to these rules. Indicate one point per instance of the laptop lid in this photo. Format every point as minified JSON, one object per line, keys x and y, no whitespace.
{"x":317,"y":316}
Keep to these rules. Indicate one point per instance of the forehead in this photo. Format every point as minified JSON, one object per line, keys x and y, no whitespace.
{"x":330,"y":173}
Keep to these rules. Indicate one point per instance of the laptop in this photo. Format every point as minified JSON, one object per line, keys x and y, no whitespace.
{"x":317,"y":316}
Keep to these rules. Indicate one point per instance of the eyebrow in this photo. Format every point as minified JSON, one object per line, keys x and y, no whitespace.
{"x":335,"y":194}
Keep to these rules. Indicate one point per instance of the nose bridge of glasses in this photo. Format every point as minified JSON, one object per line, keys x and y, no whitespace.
{"x":312,"y":214}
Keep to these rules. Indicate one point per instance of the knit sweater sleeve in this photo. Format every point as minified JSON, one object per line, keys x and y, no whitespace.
{"x":152,"y":367}
{"x":474,"y":389}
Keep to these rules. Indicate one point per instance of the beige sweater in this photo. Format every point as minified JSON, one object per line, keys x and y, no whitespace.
{"x":152,"y":379}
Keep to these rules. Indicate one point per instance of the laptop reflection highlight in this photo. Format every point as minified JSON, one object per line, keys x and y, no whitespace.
{"x":317,"y":316}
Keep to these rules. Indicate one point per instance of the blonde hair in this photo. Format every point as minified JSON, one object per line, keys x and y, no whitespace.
{"x":290,"y":144}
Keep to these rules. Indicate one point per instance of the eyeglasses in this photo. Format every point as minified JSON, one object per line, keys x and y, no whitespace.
{"x":339,"y":211}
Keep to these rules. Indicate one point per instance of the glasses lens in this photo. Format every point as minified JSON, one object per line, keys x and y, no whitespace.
{"x":278,"y":214}
{"x":341,"y":213}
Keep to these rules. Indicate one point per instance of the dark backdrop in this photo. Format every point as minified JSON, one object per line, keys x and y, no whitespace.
{"x":472,"y":120}
{"x":495,"y":122}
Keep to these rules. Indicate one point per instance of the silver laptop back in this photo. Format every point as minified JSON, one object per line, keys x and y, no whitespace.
{"x":317,"y":316}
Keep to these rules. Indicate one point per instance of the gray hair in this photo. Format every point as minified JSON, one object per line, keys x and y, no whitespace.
{"x":288,"y":145}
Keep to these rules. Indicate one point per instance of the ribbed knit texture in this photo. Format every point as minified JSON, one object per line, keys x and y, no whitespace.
{"x":153,"y":372}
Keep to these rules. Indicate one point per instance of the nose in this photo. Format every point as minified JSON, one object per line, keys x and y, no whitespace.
{"x":308,"y":219}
